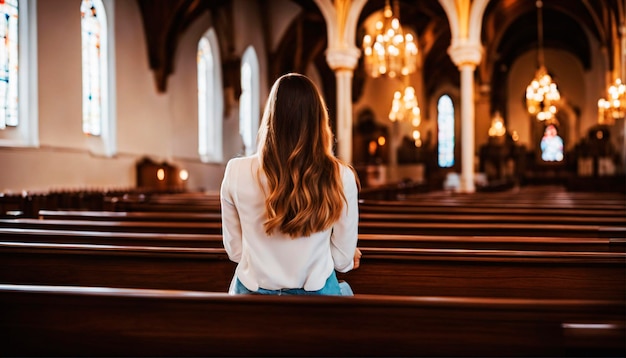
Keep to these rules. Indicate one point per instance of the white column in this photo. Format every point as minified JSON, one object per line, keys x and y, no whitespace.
{"x":343,"y":61}
{"x":344,"y":114}
{"x":466,"y":56}
{"x":468,"y":123}
{"x":341,"y":18}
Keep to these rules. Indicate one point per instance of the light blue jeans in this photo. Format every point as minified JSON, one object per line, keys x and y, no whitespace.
{"x":332,"y":288}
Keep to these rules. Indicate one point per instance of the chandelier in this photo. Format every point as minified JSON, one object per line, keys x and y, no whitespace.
{"x":615,"y":106}
{"x":497,"y":128}
{"x":542,"y":94}
{"x":388,"y":51}
{"x":405,"y":106}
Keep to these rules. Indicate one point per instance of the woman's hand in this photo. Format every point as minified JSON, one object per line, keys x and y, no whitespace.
{"x":357,"y":258}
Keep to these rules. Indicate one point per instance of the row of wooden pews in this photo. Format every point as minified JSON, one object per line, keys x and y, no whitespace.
{"x":89,"y":321}
{"x":393,"y":271}
{"x":143,"y":282}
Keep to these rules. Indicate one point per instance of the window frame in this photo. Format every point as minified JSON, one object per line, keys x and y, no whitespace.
{"x":210,"y":136}
{"x":26,"y":133}
{"x":250,"y":59}
{"x":105,"y":143}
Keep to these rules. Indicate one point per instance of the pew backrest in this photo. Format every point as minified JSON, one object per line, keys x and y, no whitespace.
{"x":79,"y":321}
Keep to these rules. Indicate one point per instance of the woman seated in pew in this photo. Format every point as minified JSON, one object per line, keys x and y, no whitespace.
{"x":290,"y":212}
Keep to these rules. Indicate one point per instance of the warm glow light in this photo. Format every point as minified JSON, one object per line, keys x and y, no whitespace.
{"x":389,"y":52}
{"x":372,"y":147}
{"x":542,"y":95}
{"x":161,"y":174}
{"x":381,"y":141}
{"x":497,"y":128}
{"x":615,"y":106}
{"x":405,"y":106}
{"x":417,"y":138}
{"x":183,"y":175}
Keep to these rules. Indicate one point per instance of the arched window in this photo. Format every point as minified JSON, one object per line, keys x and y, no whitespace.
{"x":210,"y":99}
{"x":18,"y":73}
{"x":9,"y":64}
{"x":249,"y":100}
{"x":97,"y":62}
{"x":445,"y":133}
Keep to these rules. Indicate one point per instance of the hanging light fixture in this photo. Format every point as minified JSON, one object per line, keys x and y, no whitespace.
{"x":542,"y":94}
{"x":497,"y":128}
{"x":388,"y":51}
{"x":614,"y":107}
{"x":404,"y":106}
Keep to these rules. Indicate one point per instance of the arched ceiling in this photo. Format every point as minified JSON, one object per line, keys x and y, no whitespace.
{"x":509,"y":29}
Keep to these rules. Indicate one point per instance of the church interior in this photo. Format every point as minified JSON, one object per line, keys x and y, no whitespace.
{"x":489,"y":139}
{"x":477,"y":57}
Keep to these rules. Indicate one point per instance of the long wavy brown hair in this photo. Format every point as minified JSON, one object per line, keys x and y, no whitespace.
{"x":295,"y":146}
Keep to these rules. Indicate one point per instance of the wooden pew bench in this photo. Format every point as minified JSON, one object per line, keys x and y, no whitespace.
{"x":523,"y":243}
{"x":433,"y":272}
{"x":434,"y":208}
{"x":92,"y":321}
{"x":365,"y":240}
{"x":170,"y":227}
{"x":129,"y":216}
{"x":496,"y":218}
{"x":202,"y":269}
{"x":118,"y":238}
{"x":381,"y":216}
{"x":490,"y":229}
{"x":490,"y":273}
{"x":366,"y":227}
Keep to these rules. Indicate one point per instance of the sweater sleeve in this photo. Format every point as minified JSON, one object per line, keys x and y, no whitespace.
{"x":345,"y":231}
{"x":231,"y":226}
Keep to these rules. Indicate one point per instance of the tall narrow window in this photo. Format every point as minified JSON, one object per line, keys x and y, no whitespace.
{"x":93,"y":28}
{"x":98,"y":71}
{"x":210,"y":99}
{"x":249,"y":100}
{"x":9,"y":63}
{"x":18,"y":74}
{"x":445,"y":136}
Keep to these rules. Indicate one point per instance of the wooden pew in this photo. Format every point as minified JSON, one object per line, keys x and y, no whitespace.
{"x":523,"y":243}
{"x":93,"y":321}
{"x":491,"y":229}
{"x":436,"y":272}
{"x":128,"y":238}
{"x":382,"y":216}
{"x":490,"y":273}
{"x":366,"y":227}
{"x":202,"y":269}
{"x":403,"y":207}
{"x":129,"y":215}
{"x":172,"y":227}
{"x":502,"y":217}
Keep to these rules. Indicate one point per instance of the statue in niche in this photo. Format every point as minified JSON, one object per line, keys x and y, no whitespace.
{"x":551,"y":145}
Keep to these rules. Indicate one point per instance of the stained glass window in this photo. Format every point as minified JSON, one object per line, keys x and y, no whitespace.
{"x":445,"y":136}
{"x":9,"y":63}
{"x":551,"y":145}
{"x":93,"y":28}
{"x":210,"y":99}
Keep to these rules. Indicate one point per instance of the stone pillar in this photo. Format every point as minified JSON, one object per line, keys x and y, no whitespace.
{"x":342,"y":56}
{"x":466,"y":56}
{"x":343,"y":62}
